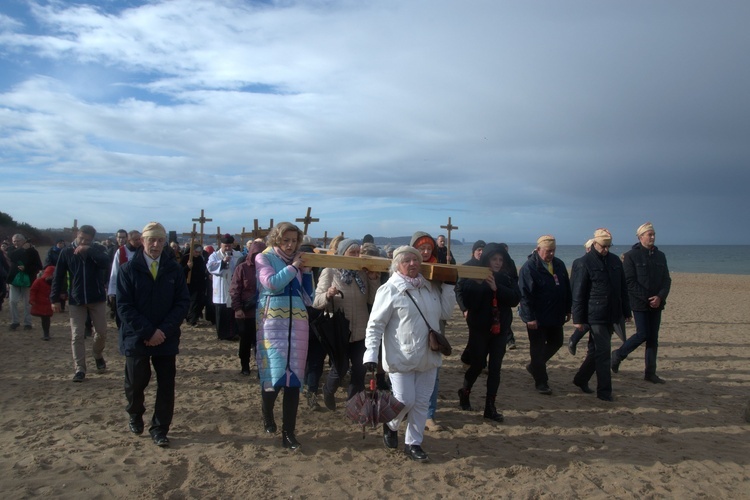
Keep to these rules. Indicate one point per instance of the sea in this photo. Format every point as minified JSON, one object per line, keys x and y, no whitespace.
{"x":712,"y":259}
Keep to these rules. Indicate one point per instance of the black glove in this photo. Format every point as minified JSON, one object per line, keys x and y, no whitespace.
{"x":371,"y":367}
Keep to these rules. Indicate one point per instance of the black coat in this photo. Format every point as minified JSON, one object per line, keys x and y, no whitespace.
{"x":600,"y":295}
{"x":458,"y":289}
{"x":646,"y":275}
{"x":545,"y":298}
{"x":198,"y":277}
{"x":145,"y":304}
{"x":86,"y":273}
{"x":30,"y":260}
{"x":478,"y":300}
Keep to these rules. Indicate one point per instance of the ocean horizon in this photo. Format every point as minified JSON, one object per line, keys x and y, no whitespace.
{"x":704,"y":259}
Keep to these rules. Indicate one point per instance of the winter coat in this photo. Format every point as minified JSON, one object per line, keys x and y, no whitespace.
{"x":600,"y":295}
{"x":396,"y":323}
{"x":354,"y":304}
{"x":198,"y":276}
{"x":244,"y":286}
{"x":281,"y":317}
{"x":30,"y":260}
{"x":545,"y":298}
{"x":647,"y":275}
{"x":145,"y":304}
{"x":39,"y":293}
{"x":85,"y":273}
{"x":460,"y":284}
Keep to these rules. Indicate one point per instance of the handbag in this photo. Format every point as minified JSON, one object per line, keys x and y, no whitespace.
{"x":437,"y":340}
{"x":21,"y":280}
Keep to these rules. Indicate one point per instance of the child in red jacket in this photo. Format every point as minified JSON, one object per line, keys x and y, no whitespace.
{"x":40,"y":301}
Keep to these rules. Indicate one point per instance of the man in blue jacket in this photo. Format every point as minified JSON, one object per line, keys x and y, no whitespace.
{"x":152,"y":302}
{"x":545,"y":307}
{"x":83,"y":266}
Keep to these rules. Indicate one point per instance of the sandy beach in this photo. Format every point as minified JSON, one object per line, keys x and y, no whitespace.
{"x":684,"y":439}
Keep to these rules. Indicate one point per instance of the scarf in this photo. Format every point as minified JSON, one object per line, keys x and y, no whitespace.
{"x":347,"y":275}
{"x":288,"y":259}
{"x":417,"y":282}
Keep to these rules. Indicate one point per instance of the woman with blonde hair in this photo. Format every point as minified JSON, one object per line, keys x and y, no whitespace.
{"x":285,"y":288}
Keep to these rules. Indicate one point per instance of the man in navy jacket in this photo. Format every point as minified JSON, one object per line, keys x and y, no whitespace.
{"x":152,"y":302}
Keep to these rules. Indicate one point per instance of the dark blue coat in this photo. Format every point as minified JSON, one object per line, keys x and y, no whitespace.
{"x":600,"y":295}
{"x":145,"y":304}
{"x":647,"y":275}
{"x":545,"y":298}
{"x":84,"y":274}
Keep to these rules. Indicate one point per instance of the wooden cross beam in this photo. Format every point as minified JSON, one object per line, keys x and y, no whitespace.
{"x":202,"y":219}
{"x":73,"y":229}
{"x":449,"y":227}
{"x":442,"y":272}
{"x":257,"y":232}
{"x":307,"y":220}
{"x":244,"y":235}
{"x":218,"y":237}
{"x":193,"y":235}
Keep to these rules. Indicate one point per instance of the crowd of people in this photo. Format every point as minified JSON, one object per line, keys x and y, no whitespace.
{"x":264,"y":297}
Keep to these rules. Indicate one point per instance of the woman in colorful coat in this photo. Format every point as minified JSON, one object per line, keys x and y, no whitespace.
{"x":284,"y":289}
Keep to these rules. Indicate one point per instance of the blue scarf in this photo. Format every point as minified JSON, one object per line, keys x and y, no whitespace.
{"x":347,"y":275}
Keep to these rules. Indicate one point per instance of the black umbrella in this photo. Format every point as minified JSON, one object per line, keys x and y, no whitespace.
{"x":332,"y":330}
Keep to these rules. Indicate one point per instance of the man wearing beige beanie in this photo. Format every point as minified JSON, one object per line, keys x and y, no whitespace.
{"x":600,"y":299}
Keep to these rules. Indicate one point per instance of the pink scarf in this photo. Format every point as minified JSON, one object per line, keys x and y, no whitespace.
{"x":415,"y":283}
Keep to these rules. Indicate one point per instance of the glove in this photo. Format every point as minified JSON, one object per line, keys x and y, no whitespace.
{"x":371,"y":367}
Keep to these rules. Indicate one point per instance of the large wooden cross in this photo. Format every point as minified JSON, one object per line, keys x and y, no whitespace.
{"x":307,"y":220}
{"x":257,"y":232}
{"x":244,"y":235}
{"x":202,"y":219}
{"x":218,"y":237}
{"x":193,"y":235}
{"x":73,"y":229}
{"x":449,"y":227}
{"x":325,"y":239}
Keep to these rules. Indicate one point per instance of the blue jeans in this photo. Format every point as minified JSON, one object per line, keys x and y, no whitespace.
{"x":646,"y":330}
{"x":433,"y":399}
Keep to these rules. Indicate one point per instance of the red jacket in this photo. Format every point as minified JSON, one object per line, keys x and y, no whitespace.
{"x":39,"y":293}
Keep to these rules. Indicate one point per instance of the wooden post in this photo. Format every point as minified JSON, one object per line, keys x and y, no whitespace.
{"x":73,"y":230}
{"x":257,"y":232}
{"x":449,"y":227}
{"x":218,"y":237}
{"x":190,"y":254}
{"x":307,"y":220}
{"x":244,"y":235}
{"x":325,"y":239}
{"x":202,"y":219}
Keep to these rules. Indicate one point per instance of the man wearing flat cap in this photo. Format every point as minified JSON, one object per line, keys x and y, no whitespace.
{"x":152,"y":302}
{"x":647,"y":277}
{"x":600,"y":300}
{"x":221,"y":265}
{"x":545,"y":307}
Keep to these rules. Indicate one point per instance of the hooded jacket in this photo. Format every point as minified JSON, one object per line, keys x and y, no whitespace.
{"x":39,"y":293}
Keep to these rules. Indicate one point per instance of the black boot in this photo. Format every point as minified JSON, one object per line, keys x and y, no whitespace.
{"x":463,"y":399}
{"x":268,"y":399}
{"x":288,"y":440}
{"x":490,"y":412}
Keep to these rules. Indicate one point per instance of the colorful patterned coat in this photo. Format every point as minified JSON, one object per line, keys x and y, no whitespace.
{"x":283,"y":330}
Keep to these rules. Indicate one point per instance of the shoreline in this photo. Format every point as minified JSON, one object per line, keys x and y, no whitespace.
{"x":683,"y":439}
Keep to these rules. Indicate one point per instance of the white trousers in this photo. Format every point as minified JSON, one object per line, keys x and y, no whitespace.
{"x":414,"y":390}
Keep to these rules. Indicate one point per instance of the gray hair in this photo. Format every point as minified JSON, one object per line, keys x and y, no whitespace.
{"x":400,"y":254}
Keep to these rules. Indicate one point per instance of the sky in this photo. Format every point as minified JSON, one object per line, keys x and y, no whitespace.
{"x":513,"y":119}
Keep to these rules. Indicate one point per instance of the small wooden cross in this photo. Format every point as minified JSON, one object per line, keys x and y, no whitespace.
{"x":218,"y":236}
{"x":73,"y":229}
{"x":307,"y":220}
{"x":244,"y":235}
{"x":325,"y":239}
{"x":257,"y":232}
{"x":202,"y":219}
{"x":449,"y":227}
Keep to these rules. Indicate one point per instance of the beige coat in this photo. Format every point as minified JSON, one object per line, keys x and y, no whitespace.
{"x":354,"y":304}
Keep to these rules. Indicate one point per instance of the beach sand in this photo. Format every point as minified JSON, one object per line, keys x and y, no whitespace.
{"x":684,"y":439}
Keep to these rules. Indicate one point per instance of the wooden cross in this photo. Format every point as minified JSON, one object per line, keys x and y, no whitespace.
{"x":193,"y":235}
{"x":307,"y":220}
{"x":449,"y":227}
{"x":218,"y":237}
{"x":202,"y":219}
{"x":325,"y":239}
{"x":73,"y":229}
{"x":257,"y":232}
{"x":244,"y":235}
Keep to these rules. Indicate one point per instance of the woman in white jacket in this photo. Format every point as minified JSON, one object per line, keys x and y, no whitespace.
{"x":396,"y":321}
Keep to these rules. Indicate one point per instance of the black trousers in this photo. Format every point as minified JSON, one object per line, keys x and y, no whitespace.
{"x":481,"y":345}
{"x":196,"y":306}
{"x":544,"y":342}
{"x":246,"y":327}
{"x":289,"y":406}
{"x":598,"y":360}
{"x":137,"y":377}
{"x":225,"y":324}
{"x":355,"y":354}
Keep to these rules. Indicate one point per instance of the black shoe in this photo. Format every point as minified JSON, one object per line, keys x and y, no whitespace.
{"x":87,"y":332}
{"x":463,"y":400}
{"x":584,"y":387}
{"x":245,"y":372}
{"x":46,"y":336}
{"x":289,"y":441}
{"x":511,"y":345}
{"x":571,"y":347}
{"x":416,"y":453}
{"x":491,"y":413}
{"x":161,"y":440}
{"x":608,"y":399}
{"x":79,"y":377}
{"x":27,"y":327}
{"x":390,"y":438}
{"x":615,"y":362}
{"x":101,"y":365}
{"x":329,"y":399}
{"x":655,"y":379}
{"x":136,"y":425}
{"x":14,"y":326}
{"x":543,"y":389}
{"x":270,"y":426}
